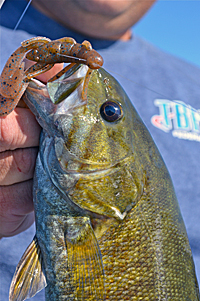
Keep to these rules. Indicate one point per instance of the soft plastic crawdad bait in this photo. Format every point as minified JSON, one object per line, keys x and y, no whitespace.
{"x":14,"y":79}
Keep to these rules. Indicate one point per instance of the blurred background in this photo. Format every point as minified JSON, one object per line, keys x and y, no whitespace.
{"x":173,"y":26}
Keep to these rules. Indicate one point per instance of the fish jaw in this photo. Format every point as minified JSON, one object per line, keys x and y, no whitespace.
{"x":49,"y":102}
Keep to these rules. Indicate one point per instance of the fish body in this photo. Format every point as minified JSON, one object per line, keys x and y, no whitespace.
{"x":108,"y":224}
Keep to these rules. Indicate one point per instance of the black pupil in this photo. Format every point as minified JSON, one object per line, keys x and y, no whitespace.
{"x":111,"y":111}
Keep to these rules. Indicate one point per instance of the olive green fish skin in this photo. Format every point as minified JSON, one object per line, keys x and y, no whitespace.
{"x":147,"y":256}
{"x":107,"y":218}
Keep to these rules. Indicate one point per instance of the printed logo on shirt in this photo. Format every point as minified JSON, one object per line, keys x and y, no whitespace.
{"x":178,"y":117}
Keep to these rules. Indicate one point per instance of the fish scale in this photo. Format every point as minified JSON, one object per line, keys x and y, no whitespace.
{"x":137,"y":260}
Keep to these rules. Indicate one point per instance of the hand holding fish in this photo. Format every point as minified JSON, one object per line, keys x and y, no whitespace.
{"x":19,"y":130}
{"x":19,"y":141}
{"x":18,"y":151}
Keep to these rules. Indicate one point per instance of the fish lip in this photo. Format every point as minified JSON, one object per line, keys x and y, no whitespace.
{"x":38,"y":83}
{"x":36,"y":86}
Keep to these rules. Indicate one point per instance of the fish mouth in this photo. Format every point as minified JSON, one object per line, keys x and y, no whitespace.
{"x":57,"y":90}
{"x":57,"y":97}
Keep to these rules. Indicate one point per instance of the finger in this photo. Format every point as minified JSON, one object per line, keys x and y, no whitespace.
{"x":44,"y":77}
{"x":16,"y":225}
{"x":17,"y":166}
{"x":16,"y":207}
{"x":19,"y":129}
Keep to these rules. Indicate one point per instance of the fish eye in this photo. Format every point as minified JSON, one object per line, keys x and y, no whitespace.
{"x":111,"y":111}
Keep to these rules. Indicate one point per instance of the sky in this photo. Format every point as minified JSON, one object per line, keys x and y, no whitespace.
{"x":173,"y":26}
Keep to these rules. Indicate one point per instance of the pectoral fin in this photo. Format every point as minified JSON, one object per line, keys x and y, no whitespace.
{"x":84,"y":259}
{"x":29,"y":277}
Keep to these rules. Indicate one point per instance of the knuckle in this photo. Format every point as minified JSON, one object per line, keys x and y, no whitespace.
{"x":8,"y":131}
{"x":17,"y":165}
{"x":11,"y":132}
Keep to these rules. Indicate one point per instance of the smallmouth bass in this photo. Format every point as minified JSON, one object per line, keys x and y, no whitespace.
{"x":108,"y":225}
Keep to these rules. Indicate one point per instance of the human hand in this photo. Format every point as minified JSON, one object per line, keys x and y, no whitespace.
{"x":19,"y":140}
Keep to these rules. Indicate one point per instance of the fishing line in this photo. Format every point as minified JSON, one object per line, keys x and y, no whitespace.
{"x":22,"y":15}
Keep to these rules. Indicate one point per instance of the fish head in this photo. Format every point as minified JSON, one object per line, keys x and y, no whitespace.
{"x":90,"y":147}
{"x":97,"y":150}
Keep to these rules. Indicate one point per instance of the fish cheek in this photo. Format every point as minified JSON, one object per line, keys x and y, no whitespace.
{"x":110,"y":193}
